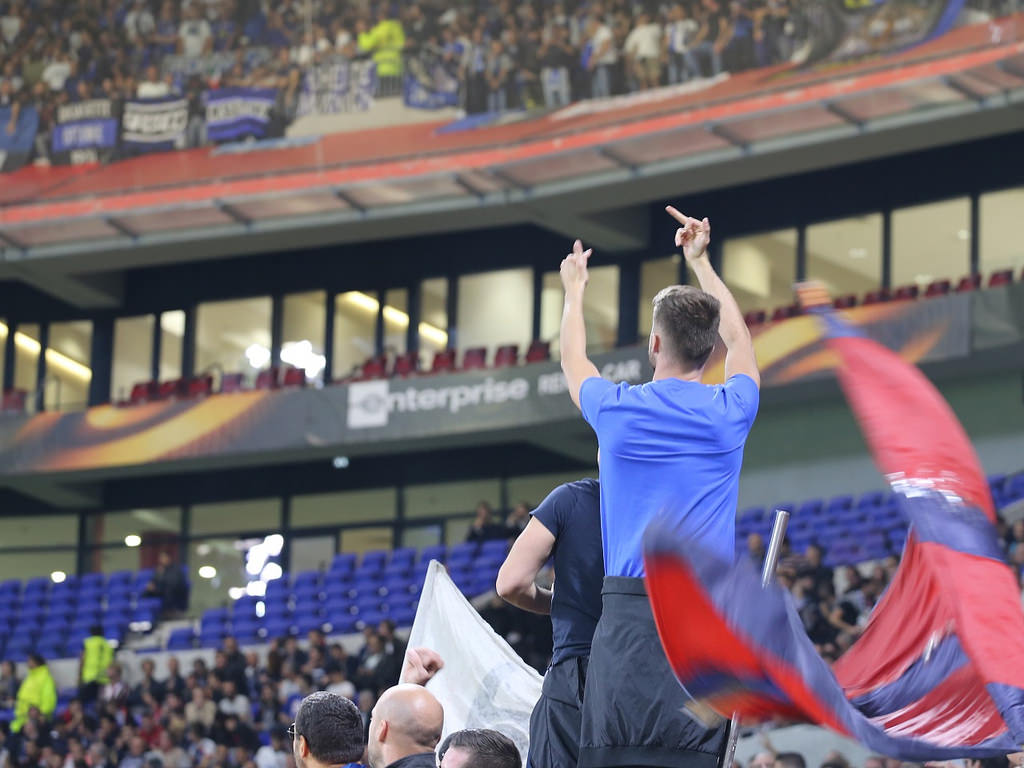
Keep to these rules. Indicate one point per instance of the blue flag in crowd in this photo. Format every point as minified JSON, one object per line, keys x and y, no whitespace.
{"x":237,"y":113}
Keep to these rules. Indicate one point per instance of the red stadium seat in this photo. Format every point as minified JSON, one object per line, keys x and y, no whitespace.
{"x":143,"y":392}
{"x":14,"y":401}
{"x":406,"y":365}
{"x":374,"y":368}
{"x":444,"y":362}
{"x":1002,"y":277}
{"x":877,"y":297}
{"x":539,"y":352}
{"x":755,"y":317}
{"x":906,"y":292}
{"x":268,"y":378}
{"x":169,"y":390}
{"x":474,"y":359}
{"x":968,"y":283}
{"x":231,"y":382}
{"x":845,"y":302}
{"x":937,"y":288}
{"x":784,"y":313}
{"x":506,"y":355}
{"x":294,"y":377}
{"x":199,"y":386}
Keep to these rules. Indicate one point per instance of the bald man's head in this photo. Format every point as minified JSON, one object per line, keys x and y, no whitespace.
{"x":406,"y":721}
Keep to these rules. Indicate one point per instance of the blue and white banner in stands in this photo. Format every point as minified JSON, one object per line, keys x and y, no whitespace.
{"x":154,"y":124}
{"x":442,"y":92}
{"x":84,"y":131}
{"x":16,"y":146}
{"x":236,"y":113}
{"x":336,"y":86}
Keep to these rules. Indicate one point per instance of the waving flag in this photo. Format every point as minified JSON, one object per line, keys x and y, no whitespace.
{"x":939,"y":670}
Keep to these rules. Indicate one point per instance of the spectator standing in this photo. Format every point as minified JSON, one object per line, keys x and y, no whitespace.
{"x":174,"y":683}
{"x":139,"y":25}
{"x":599,"y":57}
{"x":385,"y":41}
{"x":37,"y":691}
{"x":556,"y":58}
{"x":135,"y":758}
{"x":518,"y":519}
{"x":165,"y":36}
{"x":273,"y":755}
{"x":712,"y":37}
{"x":234,"y":702}
{"x":484,"y":528}
{"x":474,"y":69}
{"x":152,"y":87}
{"x":148,"y":686}
{"x":115,"y":692}
{"x":168,"y":580}
{"x":679,"y":32}
{"x":9,"y":684}
{"x":195,"y":38}
{"x":200,"y":710}
{"x":643,"y":53}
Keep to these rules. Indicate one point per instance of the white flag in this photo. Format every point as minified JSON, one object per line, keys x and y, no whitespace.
{"x":484,"y":683}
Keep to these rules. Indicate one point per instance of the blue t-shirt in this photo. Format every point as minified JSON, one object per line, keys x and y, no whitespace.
{"x":669,"y":447}
{"x":572,"y":512}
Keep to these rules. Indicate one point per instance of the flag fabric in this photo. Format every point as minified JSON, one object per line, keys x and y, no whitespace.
{"x":238,"y":113}
{"x":484,"y":683}
{"x":939,"y":671}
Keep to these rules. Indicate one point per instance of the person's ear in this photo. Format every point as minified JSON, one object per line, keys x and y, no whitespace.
{"x":304,"y":747}
{"x":382,"y":732}
{"x":655,"y":343}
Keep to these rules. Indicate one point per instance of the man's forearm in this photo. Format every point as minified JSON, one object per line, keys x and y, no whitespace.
{"x":731,"y":326}
{"x":573,"y":337}
{"x":533,"y":599}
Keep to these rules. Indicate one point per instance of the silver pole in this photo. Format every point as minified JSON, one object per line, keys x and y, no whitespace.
{"x":771,"y":559}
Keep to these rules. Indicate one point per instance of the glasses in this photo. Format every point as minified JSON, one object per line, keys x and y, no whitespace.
{"x":292,"y":733}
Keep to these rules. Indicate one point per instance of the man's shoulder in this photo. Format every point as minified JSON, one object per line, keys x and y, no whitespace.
{"x":422,"y":760}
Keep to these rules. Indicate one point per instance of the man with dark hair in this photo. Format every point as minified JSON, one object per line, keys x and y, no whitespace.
{"x":479,"y":748}
{"x":567,"y":524}
{"x":671,"y":448}
{"x":790,"y":760}
{"x":405,"y":726}
{"x":327,"y":731}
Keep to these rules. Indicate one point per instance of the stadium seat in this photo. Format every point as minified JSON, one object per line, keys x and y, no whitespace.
{"x":969,"y":283}
{"x":170,"y":390}
{"x":444,"y":361}
{"x":180,"y":639}
{"x":344,"y":562}
{"x":906,"y":292}
{"x":506,"y":355}
{"x":268,"y":378}
{"x":294,"y":377}
{"x":877,"y":296}
{"x":436,"y":552}
{"x":539,"y":352}
{"x":1002,"y":277}
{"x":144,"y":392}
{"x":755,"y":317}
{"x":845,"y":302}
{"x":474,"y":359}
{"x":937,"y":288}
{"x":231,"y":382}
{"x":784,"y":313}
{"x":199,"y":386}
{"x":406,"y":365}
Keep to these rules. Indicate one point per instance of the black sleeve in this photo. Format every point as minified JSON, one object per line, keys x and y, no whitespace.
{"x":554,"y":511}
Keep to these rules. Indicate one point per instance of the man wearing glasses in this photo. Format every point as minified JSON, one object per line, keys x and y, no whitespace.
{"x":327,"y":732}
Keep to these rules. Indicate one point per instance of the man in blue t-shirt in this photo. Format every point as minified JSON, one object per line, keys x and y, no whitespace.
{"x":671,"y":448}
{"x":567,"y":525}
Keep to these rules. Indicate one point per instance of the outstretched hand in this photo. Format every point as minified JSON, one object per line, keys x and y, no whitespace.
{"x":574,"y":268}
{"x":693,"y":236}
{"x":421,"y":664}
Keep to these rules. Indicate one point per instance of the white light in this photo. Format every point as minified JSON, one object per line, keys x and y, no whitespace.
{"x":255,"y":559}
{"x":236,"y":593}
{"x":256,"y":589}
{"x":270,"y":572}
{"x":203,"y":550}
{"x":132,"y":540}
{"x":261,"y":609}
{"x":257,"y":355}
{"x":274,"y":544}
{"x":858,"y":253}
{"x":58,"y":576}
{"x":963,"y":234}
{"x":207,"y":572}
{"x":396,"y":316}
{"x":300,"y":354}
{"x":340,"y":462}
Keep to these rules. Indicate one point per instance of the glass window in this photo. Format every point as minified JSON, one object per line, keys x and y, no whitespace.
{"x":600,"y":308}
{"x":655,"y":275}
{"x":761,"y":269}
{"x":38,"y":531}
{"x":455,"y":530}
{"x":254,"y":515}
{"x":67,"y":366}
{"x":336,"y":509}
{"x":355,"y":329}
{"x":396,"y":320}
{"x":495,"y":308}
{"x":534,"y":488}
{"x":846,"y":255}
{"x":931,"y":242}
{"x":133,"y":352}
{"x":308,"y":553}
{"x":303,"y":319}
{"x":172,"y":336}
{"x":26,"y":359}
{"x":233,"y":335}
{"x":30,"y":565}
{"x":433,"y":318}
{"x":110,"y":559}
{"x":420,"y":536}
{"x":1002,"y":231}
{"x":442,"y":499}
{"x":227,"y":557}
{"x":361,"y":540}
{"x":112,"y":527}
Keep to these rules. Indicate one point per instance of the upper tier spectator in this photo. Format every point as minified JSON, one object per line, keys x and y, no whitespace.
{"x":195,"y":38}
{"x":169,"y":585}
{"x":484,"y":526}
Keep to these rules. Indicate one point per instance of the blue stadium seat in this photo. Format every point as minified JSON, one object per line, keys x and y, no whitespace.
{"x":341,"y":623}
{"x":871,"y":499}
{"x":180,"y":639}
{"x":403,"y":555}
{"x":343,"y":562}
{"x":436,"y":552}
{"x":278,"y":627}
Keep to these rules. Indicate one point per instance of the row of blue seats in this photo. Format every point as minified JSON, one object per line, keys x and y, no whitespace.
{"x":90,"y":582}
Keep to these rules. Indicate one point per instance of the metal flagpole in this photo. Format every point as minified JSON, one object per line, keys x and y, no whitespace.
{"x":771,"y":559}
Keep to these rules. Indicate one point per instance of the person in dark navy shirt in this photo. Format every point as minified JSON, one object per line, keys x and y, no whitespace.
{"x":567,"y":526}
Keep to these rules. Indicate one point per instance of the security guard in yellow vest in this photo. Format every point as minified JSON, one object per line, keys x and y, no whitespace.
{"x":386,"y":41}
{"x":97,"y":655}
{"x":37,"y":691}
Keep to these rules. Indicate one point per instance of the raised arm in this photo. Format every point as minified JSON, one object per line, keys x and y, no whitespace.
{"x":573,"y":339}
{"x":517,"y":578}
{"x":693,"y":237}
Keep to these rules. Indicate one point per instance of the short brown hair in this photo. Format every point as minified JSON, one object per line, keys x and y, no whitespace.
{"x":687,"y":319}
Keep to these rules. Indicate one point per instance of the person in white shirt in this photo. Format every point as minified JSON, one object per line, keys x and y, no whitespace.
{"x":235,"y":703}
{"x":679,"y":32}
{"x":602,"y":57}
{"x":272,"y":755}
{"x":643,"y":52}
{"x":338,"y":685}
{"x":152,"y":87}
{"x":194,"y":36}
{"x":139,"y":23}
{"x":56,"y":73}
{"x":11,"y":23}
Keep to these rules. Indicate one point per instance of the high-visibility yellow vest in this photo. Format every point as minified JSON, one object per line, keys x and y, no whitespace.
{"x":37,"y":690}
{"x":96,"y":659}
